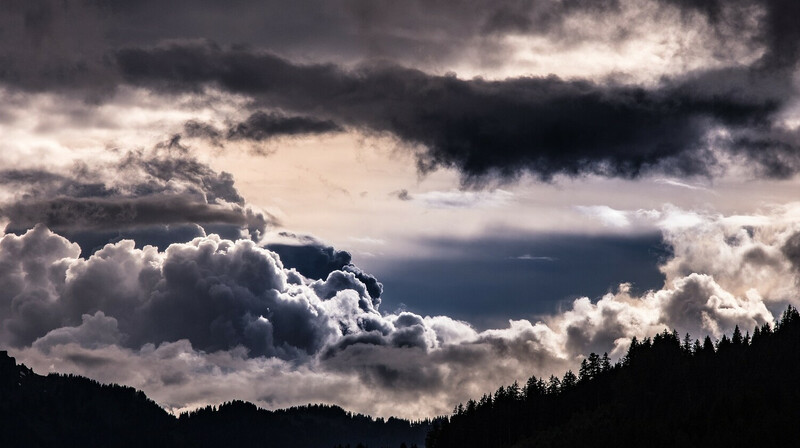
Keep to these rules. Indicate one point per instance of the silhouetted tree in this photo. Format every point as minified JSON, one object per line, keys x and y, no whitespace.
{"x":687,"y":344}
{"x":736,"y":338}
{"x":741,"y":393}
{"x":708,"y":347}
{"x":569,"y":380}
{"x":605,"y":363}
{"x":553,"y":385}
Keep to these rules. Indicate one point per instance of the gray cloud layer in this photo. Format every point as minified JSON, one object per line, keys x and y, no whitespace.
{"x":148,"y":194}
{"x":411,"y":32}
{"x":213,"y":318}
{"x":261,"y":126}
{"x":685,"y":125}
{"x":546,"y":126}
{"x":70,"y":38}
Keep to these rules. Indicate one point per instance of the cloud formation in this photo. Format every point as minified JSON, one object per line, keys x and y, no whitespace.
{"x":219,"y":315}
{"x":159,"y":196}
{"x":457,"y":199}
{"x":546,"y":126}
{"x":688,"y":123}
{"x":261,"y":126}
{"x":72,"y":39}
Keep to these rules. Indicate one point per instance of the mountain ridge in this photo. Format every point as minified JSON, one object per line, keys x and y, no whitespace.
{"x":69,"y":410}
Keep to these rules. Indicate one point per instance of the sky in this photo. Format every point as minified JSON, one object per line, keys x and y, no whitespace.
{"x":388,"y":206}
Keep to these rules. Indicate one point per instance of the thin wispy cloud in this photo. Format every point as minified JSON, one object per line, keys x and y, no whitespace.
{"x":367,"y":240}
{"x":677,"y":183}
{"x":606,"y":215}
{"x":533,"y":258}
{"x":462,"y":199}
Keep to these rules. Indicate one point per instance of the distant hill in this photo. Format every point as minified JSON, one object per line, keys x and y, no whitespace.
{"x":667,"y":392}
{"x":72,"y":411}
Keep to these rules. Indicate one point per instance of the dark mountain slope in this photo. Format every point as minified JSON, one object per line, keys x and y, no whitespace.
{"x":71,"y":411}
{"x":59,"y":410}
{"x":242,"y":424}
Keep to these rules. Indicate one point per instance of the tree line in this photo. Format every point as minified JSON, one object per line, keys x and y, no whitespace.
{"x":667,"y":391}
{"x":72,"y":411}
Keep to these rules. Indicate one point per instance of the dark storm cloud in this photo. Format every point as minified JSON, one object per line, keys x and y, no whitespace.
{"x":159,"y":196}
{"x":163,"y":167}
{"x":65,"y":44}
{"x":198,"y":129}
{"x":30,"y":176}
{"x":55,"y":45}
{"x":310,"y":257}
{"x":344,"y":30}
{"x":116,"y":212}
{"x":316,"y":260}
{"x":791,"y":250}
{"x":135,"y":173}
{"x":52,"y":43}
{"x":374,"y":287}
{"x":261,"y":126}
{"x":43,"y":183}
{"x":216,"y":293}
{"x":547,"y":126}
{"x":392,"y":368}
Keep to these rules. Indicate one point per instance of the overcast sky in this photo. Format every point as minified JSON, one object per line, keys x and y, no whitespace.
{"x":388,"y":206}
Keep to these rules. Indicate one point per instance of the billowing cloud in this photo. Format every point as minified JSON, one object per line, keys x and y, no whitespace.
{"x":316,"y":260}
{"x":218,"y":315}
{"x":216,"y":293}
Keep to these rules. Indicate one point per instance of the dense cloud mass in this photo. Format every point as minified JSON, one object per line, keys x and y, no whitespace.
{"x":261,"y":126}
{"x":160,"y":196}
{"x":314,"y":259}
{"x":546,"y":125}
{"x":225,"y":313}
{"x":688,"y":123}
{"x":71,"y":38}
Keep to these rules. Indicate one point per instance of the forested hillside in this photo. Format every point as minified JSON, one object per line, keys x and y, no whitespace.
{"x":71,"y":411}
{"x":667,"y":391}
